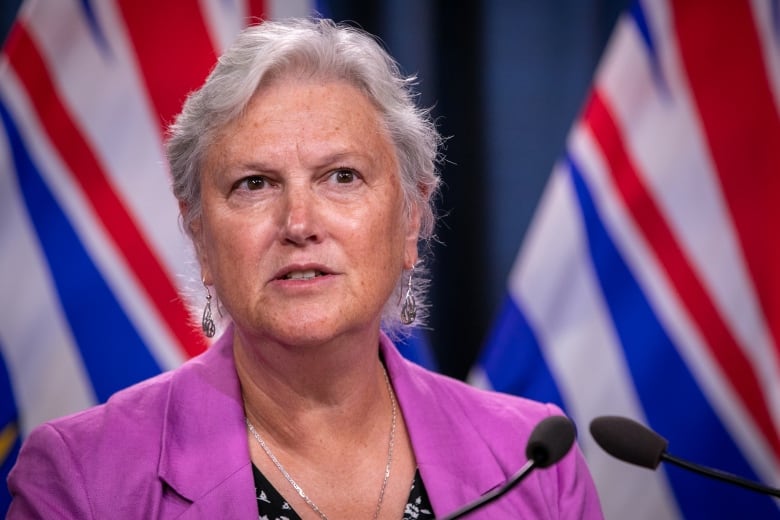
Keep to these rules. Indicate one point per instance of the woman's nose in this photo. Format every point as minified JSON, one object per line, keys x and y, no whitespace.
{"x":301,"y":223}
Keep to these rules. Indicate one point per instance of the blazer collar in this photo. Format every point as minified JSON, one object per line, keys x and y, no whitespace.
{"x":205,"y":456}
{"x":455,"y":462}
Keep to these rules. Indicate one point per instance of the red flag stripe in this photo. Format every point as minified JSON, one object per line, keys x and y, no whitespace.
{"x":748,"y":168}
{"x":67,"y":138}
{"x":173,"y":50}
{"x":257,"y":11}
{"x":691,"y":291}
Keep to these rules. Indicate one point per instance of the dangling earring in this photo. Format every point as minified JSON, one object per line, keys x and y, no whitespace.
{"x":207,"y":322}
{"x":409,"y":307}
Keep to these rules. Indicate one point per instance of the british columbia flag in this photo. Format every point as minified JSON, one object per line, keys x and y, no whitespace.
{"x":649,"y":283}
{"x":92,"y":260}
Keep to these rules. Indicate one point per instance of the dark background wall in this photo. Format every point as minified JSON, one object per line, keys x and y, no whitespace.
{"x":505,"y":78}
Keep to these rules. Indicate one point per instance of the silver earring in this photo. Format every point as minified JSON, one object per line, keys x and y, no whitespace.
{"x":207,"y":322}
{"x":409,"y":307}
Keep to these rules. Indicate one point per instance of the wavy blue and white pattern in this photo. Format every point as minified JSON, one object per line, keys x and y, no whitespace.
{"x":647,"y":285}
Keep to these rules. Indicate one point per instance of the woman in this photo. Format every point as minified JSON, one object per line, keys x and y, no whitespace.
{"x":304,"y":174}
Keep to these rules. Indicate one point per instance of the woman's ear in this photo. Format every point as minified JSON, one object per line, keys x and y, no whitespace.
{"x":412,"y":236}
{"x":195,"y":230}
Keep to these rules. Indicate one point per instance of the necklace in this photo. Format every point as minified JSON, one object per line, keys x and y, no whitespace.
{"x":298,"y":488}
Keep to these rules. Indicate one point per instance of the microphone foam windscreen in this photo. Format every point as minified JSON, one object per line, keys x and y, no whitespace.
{"x":628,"y":440}
{"x":550,"y":440}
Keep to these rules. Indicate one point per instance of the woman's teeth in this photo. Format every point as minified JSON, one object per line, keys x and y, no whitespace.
{"x":302,"y":275}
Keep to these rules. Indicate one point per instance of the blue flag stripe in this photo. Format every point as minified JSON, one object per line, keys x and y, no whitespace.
{"x":96,"y":30}
{"x":640,"y":19}
{"x":415,"y":348}
{"x":515,"y":365}
{"x":646,"y":343}
{"x":9,"y":425}
{"x":113,"y":353}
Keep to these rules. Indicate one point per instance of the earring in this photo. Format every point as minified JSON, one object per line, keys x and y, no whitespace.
{"x":207,"y":322}
{"x":409,"y":307}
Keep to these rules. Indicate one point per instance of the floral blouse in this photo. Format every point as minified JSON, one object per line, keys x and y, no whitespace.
{"x":271,"y":505}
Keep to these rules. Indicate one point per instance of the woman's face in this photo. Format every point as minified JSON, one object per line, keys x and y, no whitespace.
{"x":303,"y":231}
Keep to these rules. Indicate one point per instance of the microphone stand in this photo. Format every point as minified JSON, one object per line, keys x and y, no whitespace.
{"x":721,"y":475}
{"x":550,"y":440}
{"x":496,"y":493}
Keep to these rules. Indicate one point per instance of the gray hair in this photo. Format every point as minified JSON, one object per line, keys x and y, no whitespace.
{"x":323,"y":50}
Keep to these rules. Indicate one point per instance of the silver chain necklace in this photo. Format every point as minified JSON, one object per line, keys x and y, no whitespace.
{"x":298,"y":488}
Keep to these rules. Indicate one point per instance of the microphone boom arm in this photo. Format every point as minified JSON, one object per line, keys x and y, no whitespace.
{"x":632,"y":442}
{"x":550,"y":440}
{"x":496,"y":493}
{"x":721,"y":475}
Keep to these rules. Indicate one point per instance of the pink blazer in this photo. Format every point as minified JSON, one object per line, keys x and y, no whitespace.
{"x":175,"y":447}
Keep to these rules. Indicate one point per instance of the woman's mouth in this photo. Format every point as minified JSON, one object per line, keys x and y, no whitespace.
{"x":308,"y":274}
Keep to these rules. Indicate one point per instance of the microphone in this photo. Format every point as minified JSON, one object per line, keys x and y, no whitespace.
{"x":634,"y":443}
{"x":549,"y":442}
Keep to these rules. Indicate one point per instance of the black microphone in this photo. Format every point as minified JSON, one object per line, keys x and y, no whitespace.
{"x":549,"y":442}
{"x":634,"y":443}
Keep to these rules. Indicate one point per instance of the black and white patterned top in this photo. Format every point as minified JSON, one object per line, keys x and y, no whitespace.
{"x":271,"y":505}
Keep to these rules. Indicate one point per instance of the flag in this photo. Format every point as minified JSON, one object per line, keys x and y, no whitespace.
{"x":93,"y":265}
{"x":648,"y":284}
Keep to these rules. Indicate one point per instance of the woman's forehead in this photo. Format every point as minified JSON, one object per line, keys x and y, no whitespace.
{"x":335,"y":116}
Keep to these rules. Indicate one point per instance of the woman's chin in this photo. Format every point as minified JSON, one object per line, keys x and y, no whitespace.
{"x":302,"y":331}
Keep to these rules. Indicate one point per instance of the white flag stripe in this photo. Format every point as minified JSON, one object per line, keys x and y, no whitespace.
{"x":104,"y":188}
{"x":141,"y":179}
{"x":43,"y":362}
{"x":280,"y":9}
{"x":674,"y":183}
{"x":670,"y":311}
{"x":551,"y":312}
{"x":224,"y":20}
{"x":134,"y":160}
{"x":101,"y":249}
{"x":702,"y":295}
{"x":666,"y":304}
{"x":478,"y":377}
{"x":770,"y":42}
{"x":650,"y":276}
{"x":735,"y":294}
{"x":99,"y":83}
{"x":570,"y":320}
{"x":683,"y":174}
{"x":125,"y":137}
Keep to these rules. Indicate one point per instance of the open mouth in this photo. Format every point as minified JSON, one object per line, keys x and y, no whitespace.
{"x":308,"y":274}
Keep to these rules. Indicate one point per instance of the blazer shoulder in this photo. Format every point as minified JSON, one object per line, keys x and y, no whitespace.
{"x":485,"y":405}
{"x":138,"y":407}
{"x":152,"y":450}
{"x":502,"y":424}
{"x":135,"y":412}
{"x":75,"y":462}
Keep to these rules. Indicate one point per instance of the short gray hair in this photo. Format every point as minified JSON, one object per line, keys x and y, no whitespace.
{"x":324,"y":50}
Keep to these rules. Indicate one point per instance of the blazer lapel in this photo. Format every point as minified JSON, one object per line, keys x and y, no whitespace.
{"x":205,"y":456}
{"x":456,"y":464}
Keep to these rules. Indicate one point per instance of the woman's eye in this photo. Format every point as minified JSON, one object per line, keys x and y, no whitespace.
{"x":254,"y":182}
{"x":344,"y":176}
